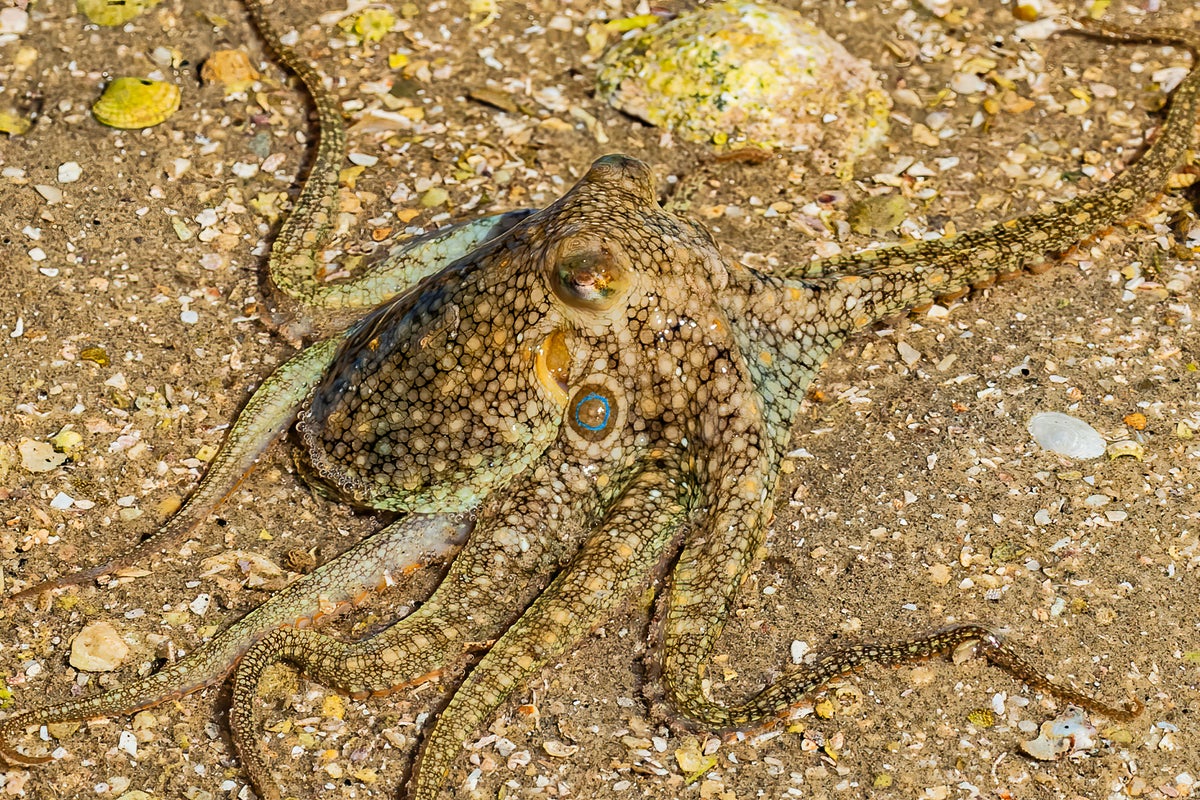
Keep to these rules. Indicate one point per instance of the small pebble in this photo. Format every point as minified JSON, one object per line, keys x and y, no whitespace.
{"x":14,"y":20}
{"x":434,"y":197}
{"x":908,"y":354}
{"x":51,"y":194}
{"x":939,"y":574}
{"x":98,"y":648}
{"x":69,"y":172}
{"x":244,"y":170}
{"x":66,"y":440}
{"x":1136,"y":420}
{"x":968,"y":83}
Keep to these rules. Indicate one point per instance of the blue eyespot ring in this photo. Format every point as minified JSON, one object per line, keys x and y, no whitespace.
{"x":593,"y":412}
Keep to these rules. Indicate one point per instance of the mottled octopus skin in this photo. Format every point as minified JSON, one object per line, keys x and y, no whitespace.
{"x":592,"y":391}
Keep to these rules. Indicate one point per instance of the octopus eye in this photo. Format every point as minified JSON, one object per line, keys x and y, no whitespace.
{"x":592,"y":412}
{"x":590,"y":277}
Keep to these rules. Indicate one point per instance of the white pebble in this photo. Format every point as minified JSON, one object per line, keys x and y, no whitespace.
{"x":273,"y":162}
{"x":189,"y":317}
{"x":128,"y":743}
{"x":244,"y":170}
{"x":363,"y":159}
{"x":51,"y":194}
{"x":69,"y":172}
{"x":13,"y":20}
{"x":62,"y":501}
{"x":968,"y":83}
{"x":163,"y":57}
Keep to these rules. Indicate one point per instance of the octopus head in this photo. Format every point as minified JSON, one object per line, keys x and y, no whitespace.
{"x":445,"y":393}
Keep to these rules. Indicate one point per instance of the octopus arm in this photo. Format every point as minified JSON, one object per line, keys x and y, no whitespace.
{"x":268,"y":413}
{"x":711,"y":567}
{"x":521,"y":538}
{"x":347,"y":580}
{"x":618,"y":555}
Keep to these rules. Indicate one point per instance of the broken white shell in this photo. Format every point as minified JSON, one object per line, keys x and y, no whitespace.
{"x":1066,"y":734}
{"x":1066,"y":435}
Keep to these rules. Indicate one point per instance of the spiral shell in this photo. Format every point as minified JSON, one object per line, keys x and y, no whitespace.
{"x":131,"y":103}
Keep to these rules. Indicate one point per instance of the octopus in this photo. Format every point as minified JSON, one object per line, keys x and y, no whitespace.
{"x":567,"y":402}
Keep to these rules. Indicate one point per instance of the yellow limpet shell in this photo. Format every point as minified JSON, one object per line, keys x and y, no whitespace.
{"x":109,"y":13}
{"x":131,"y":103}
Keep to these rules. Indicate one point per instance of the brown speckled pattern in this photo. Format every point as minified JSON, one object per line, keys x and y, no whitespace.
{"x":591,"y":390}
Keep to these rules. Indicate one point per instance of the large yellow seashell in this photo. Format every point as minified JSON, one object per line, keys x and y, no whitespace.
{"x":136,"y":103}
{"x":750,"y":74}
